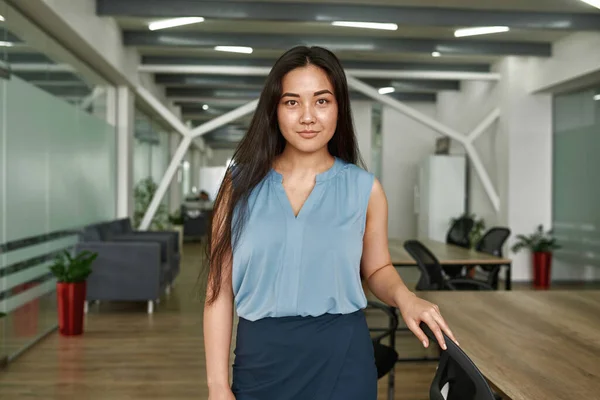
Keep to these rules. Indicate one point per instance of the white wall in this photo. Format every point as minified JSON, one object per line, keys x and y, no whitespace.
{"x":516,"y":151}
{"x":463,"y":110}
{"x":405,"y":144}
{"x":575,"y":63}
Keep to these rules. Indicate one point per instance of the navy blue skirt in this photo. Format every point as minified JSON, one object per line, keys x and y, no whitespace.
{"x":329,"y":357}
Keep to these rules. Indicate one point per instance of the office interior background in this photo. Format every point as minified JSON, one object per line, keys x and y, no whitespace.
{"x":100,"y":109}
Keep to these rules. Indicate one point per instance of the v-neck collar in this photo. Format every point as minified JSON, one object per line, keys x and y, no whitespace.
{"x":314,"y":195}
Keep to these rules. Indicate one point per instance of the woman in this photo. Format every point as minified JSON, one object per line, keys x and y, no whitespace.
{"x":296,"y":226}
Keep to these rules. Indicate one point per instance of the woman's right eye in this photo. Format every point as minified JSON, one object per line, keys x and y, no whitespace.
{"x":291,"y":102}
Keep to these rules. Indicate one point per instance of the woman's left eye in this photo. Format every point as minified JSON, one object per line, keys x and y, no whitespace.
{"x":322,"y":101}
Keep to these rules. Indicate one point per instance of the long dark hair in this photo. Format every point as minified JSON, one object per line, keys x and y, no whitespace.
{"x":255,"y":154}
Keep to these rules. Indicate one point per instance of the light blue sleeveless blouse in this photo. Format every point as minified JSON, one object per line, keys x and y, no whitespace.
{"x":307,"y":265}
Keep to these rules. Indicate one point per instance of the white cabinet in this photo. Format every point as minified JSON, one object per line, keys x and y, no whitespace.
{"x":439,"y":195}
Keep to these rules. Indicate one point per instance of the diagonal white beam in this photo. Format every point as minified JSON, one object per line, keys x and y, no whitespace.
{"x":162,"y":110}
{"x":359,"y":73}
{"x":224,"y":119}
{"x":437,"y":126}
{"x":182,"y":149}
{"x":404,"y":109}
{"x":87,"y":101}
{"x":483,"y":125}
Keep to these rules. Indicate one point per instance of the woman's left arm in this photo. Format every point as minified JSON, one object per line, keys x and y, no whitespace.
{"x":385,"y":282}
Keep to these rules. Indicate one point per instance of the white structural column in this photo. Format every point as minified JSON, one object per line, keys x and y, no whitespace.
{"x":121,"y":99}
{"x":465,"y":140}
{"x":195,"y":168}
{"x":188,"y":136}
{"x":175,"y":192}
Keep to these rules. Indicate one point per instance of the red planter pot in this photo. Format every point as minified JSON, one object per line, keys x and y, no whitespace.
{"x":71,"y":299}
{"x":542,"y":263}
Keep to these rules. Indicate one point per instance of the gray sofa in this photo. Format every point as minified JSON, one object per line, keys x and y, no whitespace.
{"x":131,"y":265}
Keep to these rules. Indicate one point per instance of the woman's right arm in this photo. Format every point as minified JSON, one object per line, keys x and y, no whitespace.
{"x":218,"y":323}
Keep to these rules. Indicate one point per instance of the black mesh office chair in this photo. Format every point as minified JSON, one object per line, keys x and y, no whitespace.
{"x":458,"y":235}
{"x":432,"y":277}
{"x":385,"y":355}
{"x":492,"y":243}
{"x":464,"y":380}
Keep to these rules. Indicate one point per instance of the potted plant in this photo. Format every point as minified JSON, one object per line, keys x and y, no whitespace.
{"x":541,"y":244}
{"x":71,"y":274}
{"x":475,"y":235}
{"x":476,"y":232}
{"x":143,"y":193}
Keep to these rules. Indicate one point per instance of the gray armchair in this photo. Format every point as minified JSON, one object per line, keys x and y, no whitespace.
{"x":126,"y":271}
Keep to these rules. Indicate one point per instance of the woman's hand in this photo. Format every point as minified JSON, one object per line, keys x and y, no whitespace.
{"x":221,"y":393}
{"x":415,"y":310}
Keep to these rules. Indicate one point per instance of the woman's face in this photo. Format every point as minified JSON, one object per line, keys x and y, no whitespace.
{"x":307,"y":111}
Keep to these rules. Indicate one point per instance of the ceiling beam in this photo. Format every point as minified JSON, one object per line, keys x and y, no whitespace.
{"x":257,"y":83}
{"x":216,"y":98}
{"x":319,"y":12}
{"x":197,"y":40}
{"x":211,"y":81}
{"x":358,"y":73}
{"x":262,"y":62}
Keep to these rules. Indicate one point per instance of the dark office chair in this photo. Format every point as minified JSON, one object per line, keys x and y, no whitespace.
{"x":465,"y":381}
{"x":385,"y":356}
{"x":492,"y":243}
{"x":458,"y":235}
{"x":432,"y":277}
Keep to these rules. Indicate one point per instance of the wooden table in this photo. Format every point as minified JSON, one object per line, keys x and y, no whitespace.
{"x":529,"y":344}
{"x":447,"y":255}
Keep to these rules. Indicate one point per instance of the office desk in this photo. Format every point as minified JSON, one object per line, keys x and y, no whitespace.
{"x":447,"y":255}
{"x":532,"y":344}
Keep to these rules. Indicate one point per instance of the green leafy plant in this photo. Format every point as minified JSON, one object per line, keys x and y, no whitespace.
{"x":176,"y":218}
{"x":476,"y":232}
{"x":69,"y":269}
{"x":143,"y":193}
{"x":539,"y":241}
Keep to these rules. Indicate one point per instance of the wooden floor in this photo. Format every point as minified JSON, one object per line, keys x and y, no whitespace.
{"x":128,"y":354}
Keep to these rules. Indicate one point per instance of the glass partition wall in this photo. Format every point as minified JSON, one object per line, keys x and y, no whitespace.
{"x":57,"y":172}
{"x":576,"y":188}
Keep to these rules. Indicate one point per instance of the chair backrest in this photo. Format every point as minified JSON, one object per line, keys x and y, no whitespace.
{"x":493,"y":240}
{"x":385,"y":356}
{"x":458,"y":234}
{"x":457,"y":370}
{"x":432,"y":277}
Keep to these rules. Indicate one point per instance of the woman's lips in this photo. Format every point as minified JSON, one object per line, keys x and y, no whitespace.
{"x":308,"y":134}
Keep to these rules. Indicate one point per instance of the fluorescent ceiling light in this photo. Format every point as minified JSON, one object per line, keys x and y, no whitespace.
{"x":6,"y":44}
{"x":2,"y":18}
{"x":170,"y":23}
{"x":597,"y":97}
{"x":482,"y":30}
{"x":234,"y":49}
{"x":436,"y":54}
{"x":386,"y":90}
{"x":366,"y":25}
{"x":593,"y":3}
{"x":205,"y":107}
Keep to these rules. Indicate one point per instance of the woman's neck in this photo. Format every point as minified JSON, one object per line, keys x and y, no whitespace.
{"x":291,"y":161}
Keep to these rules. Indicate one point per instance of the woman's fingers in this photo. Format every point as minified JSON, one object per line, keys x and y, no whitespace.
{"x":430,"y":320}
{"x":444,"y":327}
{"x":414,"y":327}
